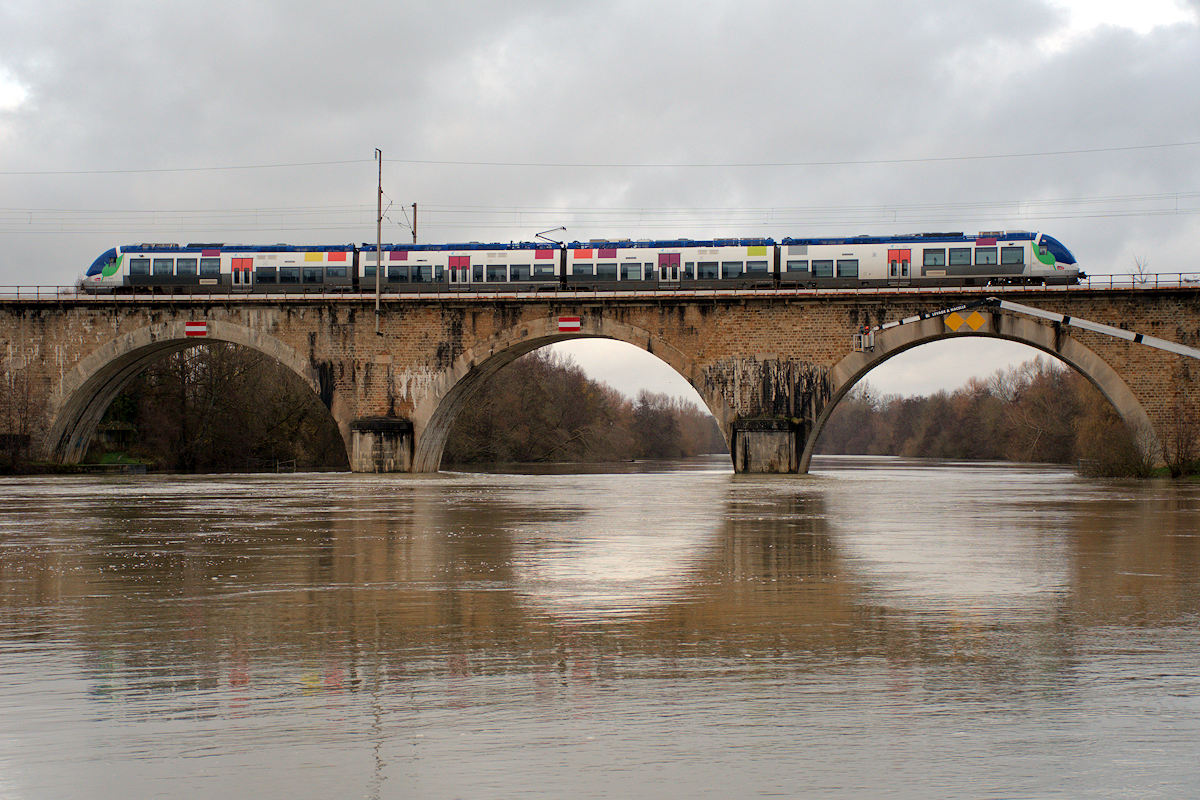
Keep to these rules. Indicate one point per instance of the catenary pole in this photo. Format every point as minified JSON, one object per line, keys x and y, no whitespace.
{"x":378,"y":236}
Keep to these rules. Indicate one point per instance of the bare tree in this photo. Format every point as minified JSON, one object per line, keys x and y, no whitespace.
{"x":1141,"y":270}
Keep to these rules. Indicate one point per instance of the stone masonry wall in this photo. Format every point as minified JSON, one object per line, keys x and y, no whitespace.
{"x":750,"y":358}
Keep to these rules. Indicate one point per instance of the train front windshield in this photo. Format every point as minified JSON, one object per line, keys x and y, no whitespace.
{"x":1057,"y":249}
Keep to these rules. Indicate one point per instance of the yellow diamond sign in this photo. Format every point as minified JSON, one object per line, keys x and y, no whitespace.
{"x":954,"y":321}
{"x":976,"y":320}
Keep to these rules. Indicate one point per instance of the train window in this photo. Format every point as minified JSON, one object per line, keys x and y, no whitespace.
{"x":335,"y":272}
{"x":423,"y":274}
{"x":985,"y":255}
{"x":139,"y":266}
{"x":439,"y":273}
{"x":497,"y":274}
{"x":631,"y":272}
{"x":210,"y":267}
{"x":757,"y":267}
{"x":519,"y":272}
{"x":582,"y":270}
{"x":543,"y":270}
{"x":477,"y":273}
{"x":822,"y":268}
{"x":163,"y":266}
{"x":689,"y":270}
{"x":731,"y":269}
{"x":960,"y":256}
{"x":312,"y":275}
{"x":397,"y":274}
{"x":706,"y":271}
{"x":1012,"y":255}
{"x":847,"y":267}
{"x":797,"y":266}
{"x":264,"y":275}
{"x":186,"y":267}
{"x":607,"y":271}
{"x":935,"y":257}
{"x":368,"y":271}
{"x":289,"y":274}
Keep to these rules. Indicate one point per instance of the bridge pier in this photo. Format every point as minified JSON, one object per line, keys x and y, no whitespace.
{"x":766,"y":446}
{"x":381,"y":444}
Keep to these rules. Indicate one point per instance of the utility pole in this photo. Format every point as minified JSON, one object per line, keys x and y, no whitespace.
{"x":379,"y":237}
{"x":414,"y":223}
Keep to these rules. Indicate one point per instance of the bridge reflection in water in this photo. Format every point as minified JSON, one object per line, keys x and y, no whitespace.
{"x":354,"y":617}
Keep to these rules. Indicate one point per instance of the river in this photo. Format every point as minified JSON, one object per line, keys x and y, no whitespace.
{"x":881,"y":626}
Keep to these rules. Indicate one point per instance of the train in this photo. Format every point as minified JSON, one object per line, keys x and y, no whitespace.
{"x":921,"y":259}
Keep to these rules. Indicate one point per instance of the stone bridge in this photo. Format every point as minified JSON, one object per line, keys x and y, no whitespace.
{"x":769,"y":366}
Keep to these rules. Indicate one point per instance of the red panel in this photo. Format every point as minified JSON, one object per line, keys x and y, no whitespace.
{"x":337,"y":255}
{"x":607,"y":252}
{"x":242,"y":263}
{"x":544,"y":254}
{"x":398,"y":255}
{"x":583,"y":253}
{"x":210,"y":253}
{"x":991,"y":240}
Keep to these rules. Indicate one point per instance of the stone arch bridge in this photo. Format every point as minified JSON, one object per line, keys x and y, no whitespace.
{"x":769,"y":366}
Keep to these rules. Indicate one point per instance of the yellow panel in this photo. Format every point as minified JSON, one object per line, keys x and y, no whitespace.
{"x":756,"y":251}
{"x":314,"y":256}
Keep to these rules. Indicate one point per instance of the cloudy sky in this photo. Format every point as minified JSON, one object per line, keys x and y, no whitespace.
{"x":257,"y":122}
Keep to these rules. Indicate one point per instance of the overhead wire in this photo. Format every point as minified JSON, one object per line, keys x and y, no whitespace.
{"x":614,"y":165}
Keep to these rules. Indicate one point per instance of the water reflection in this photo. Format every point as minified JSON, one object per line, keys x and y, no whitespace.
{"x":349,"y":609}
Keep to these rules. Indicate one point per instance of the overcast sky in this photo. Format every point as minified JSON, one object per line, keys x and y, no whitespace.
{"x":124,"y":122}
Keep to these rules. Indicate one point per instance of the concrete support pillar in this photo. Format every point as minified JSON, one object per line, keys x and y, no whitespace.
{"x":766,"y":445}
{"x":381,"y":444}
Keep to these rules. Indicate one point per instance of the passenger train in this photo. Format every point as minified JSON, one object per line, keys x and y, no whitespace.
{"x":922,"y":259}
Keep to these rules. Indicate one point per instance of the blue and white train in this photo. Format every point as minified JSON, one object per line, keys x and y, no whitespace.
{"x":922,"y":259}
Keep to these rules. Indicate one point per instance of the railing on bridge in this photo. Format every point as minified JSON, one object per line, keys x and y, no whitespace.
{"x":1123,"y":282}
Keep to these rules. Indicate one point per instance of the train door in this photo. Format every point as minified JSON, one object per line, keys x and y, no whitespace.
{"x":899,"y":267}
{"x":668,"y":267}
{"x":243,"y":273}
{"x":460,"y":270}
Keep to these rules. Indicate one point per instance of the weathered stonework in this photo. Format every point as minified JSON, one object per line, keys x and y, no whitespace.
{"x":770,"y":368}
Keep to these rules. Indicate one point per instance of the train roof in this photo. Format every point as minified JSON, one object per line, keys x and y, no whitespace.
{"x":954,"y":236}
{"x":626,"y":243}
{"x":199,"y":247}
{"x":369,"y":246}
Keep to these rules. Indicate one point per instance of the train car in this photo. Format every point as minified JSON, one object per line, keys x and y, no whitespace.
{"x":682,"y":263}
{"x":520,"y":266}
{"x":927,"y":259}
{"x":921,"y":259}
{"x":201,"y":267}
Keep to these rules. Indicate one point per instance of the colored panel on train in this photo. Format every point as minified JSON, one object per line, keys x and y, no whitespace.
{"x":337,"y":255}
{"x":583,"y":253}
{"x":314,"y":256}
{"x":398,"y":255}
{"x":543,"y":254}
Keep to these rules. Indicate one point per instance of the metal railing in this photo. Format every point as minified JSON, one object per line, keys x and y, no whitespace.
{"x":73,"y":294}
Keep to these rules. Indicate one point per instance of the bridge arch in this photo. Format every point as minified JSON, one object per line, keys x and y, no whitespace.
{"x":83,"y":395}
{"x":1048,"y":338}
{"x":434,"y":416}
